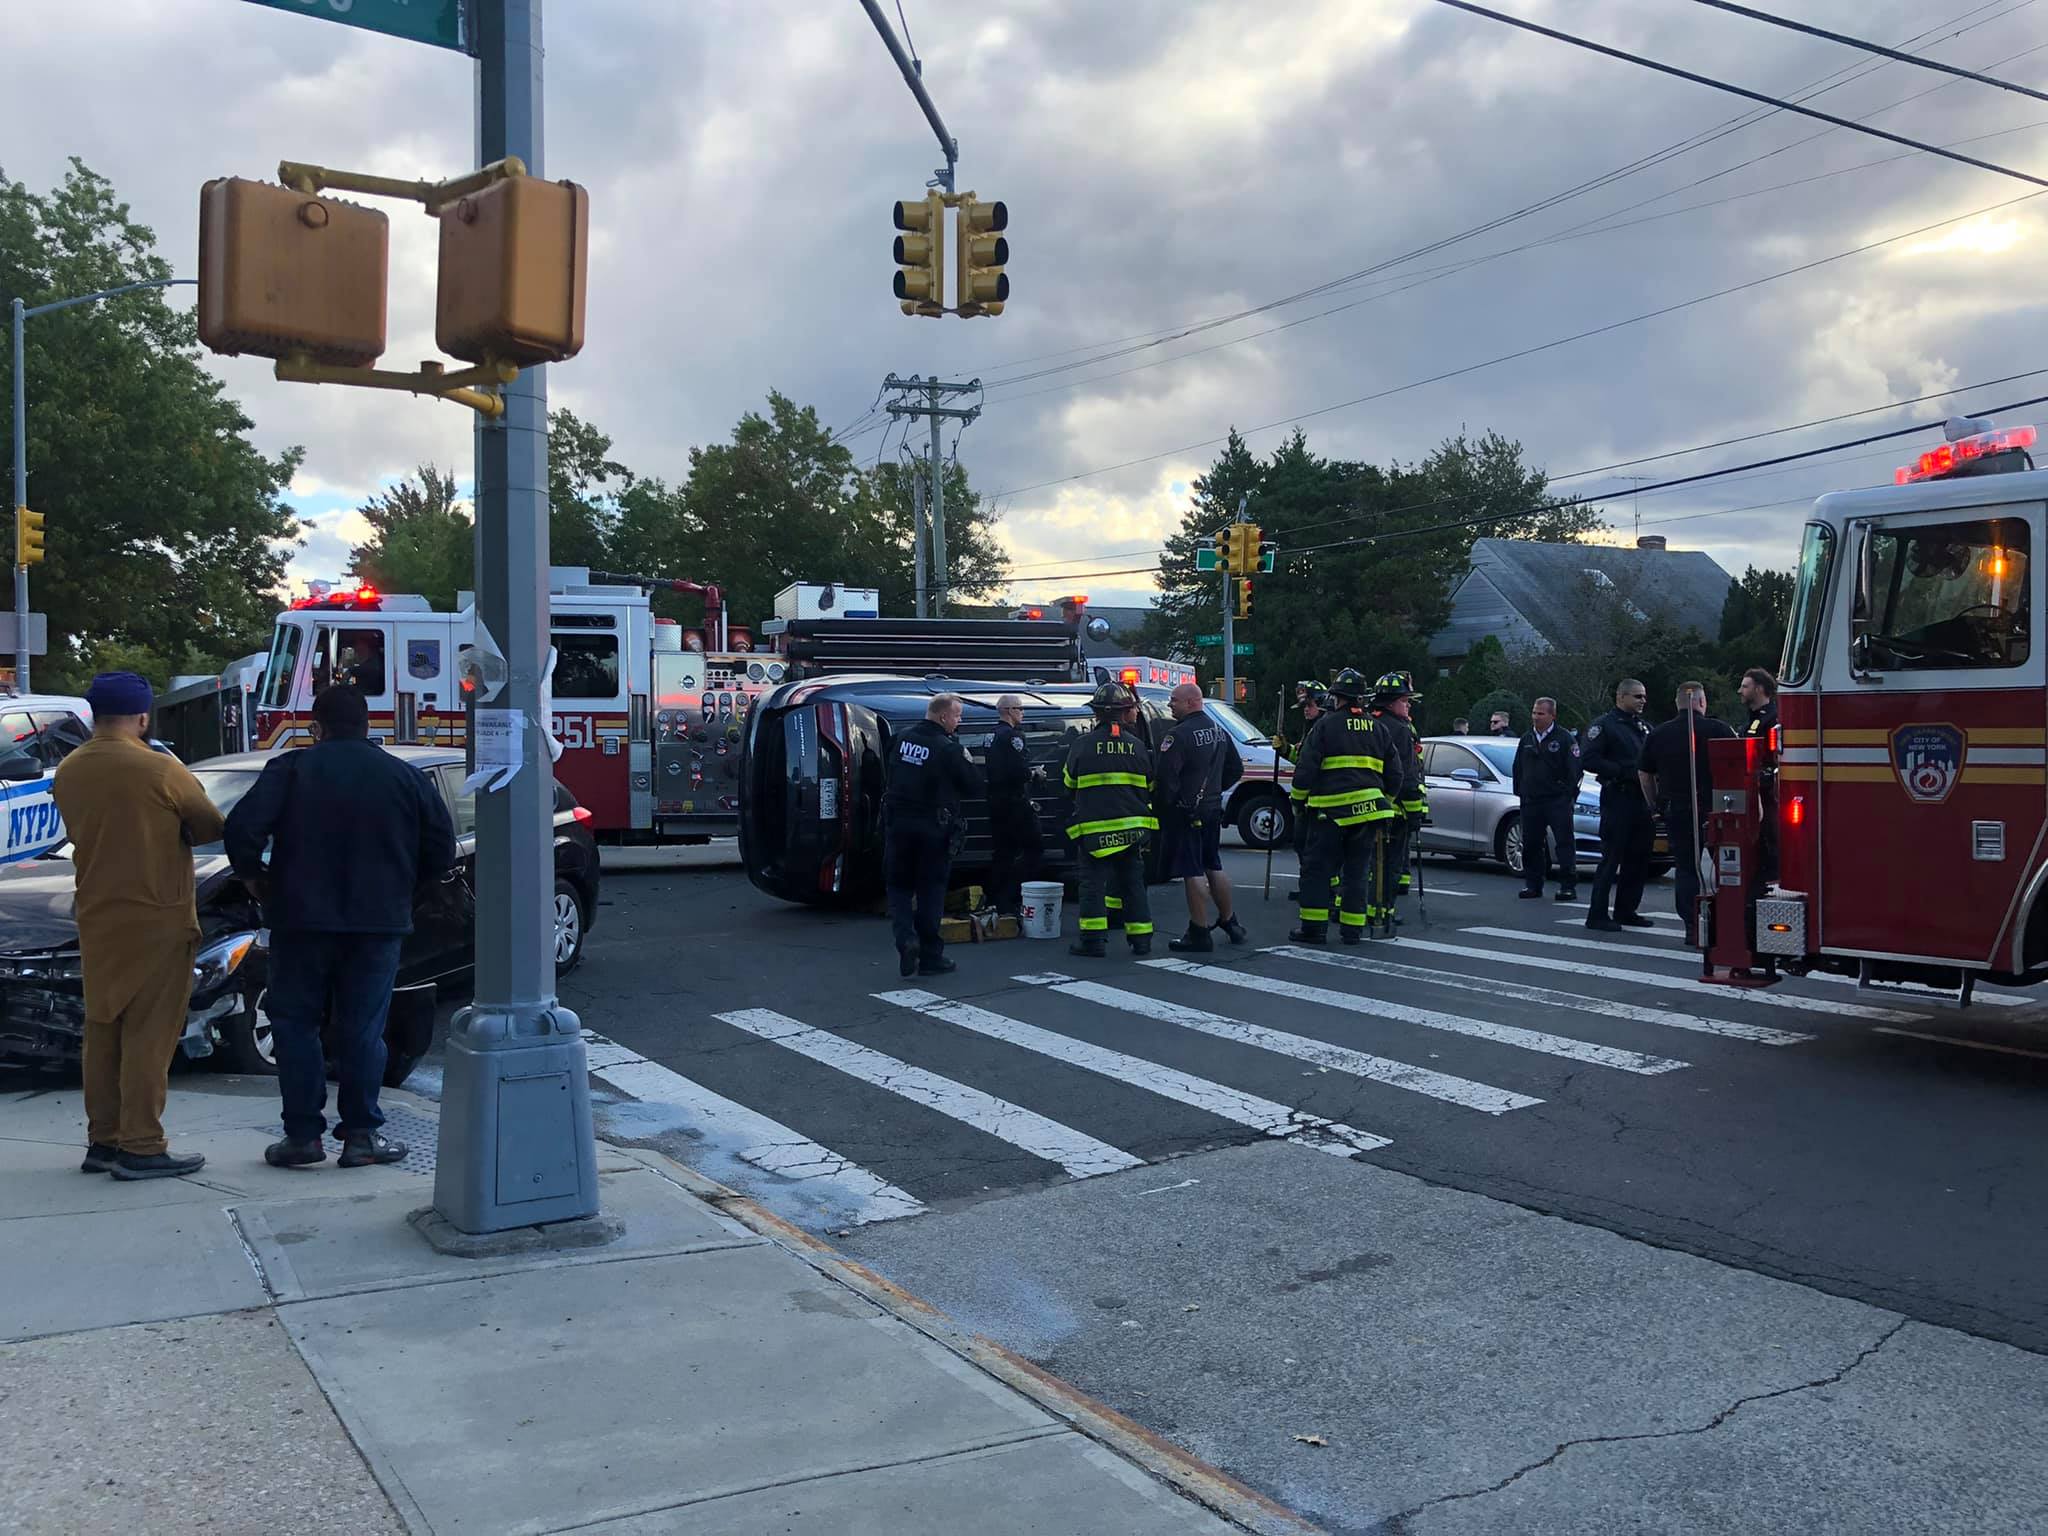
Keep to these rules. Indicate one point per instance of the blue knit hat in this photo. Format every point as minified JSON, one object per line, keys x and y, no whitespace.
{"x":120,"y":693}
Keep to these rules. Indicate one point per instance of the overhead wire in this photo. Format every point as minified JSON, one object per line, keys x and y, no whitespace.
{"x":1869,"y":47}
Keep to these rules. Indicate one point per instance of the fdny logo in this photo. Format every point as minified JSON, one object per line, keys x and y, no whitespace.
{"x":1928,"y":760}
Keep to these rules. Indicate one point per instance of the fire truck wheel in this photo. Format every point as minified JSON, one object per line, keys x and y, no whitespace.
{"x":569,"y":926}
{"x":246,"y":1042}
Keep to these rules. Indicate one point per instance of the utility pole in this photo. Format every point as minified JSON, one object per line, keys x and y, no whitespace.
{"x":917,"y":536}
{"x":517,"y":1148}
{"x":1639,"y":481}
{"x":933,"y":390}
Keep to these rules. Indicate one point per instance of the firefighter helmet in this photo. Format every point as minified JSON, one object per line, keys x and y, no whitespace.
{"x":1394,"y":685}
{"x":1349,"y":684}
{"x":1112,"y":698}
{"x":1309,"y":686}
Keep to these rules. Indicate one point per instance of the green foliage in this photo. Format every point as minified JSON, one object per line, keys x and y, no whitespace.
{"x":168,"y":534}
{"x":424,"y":541}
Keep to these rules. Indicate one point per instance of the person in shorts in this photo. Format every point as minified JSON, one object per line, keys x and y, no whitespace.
{"x":1197,"y":762}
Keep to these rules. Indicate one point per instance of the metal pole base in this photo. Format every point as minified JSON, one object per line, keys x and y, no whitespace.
{"x":517,"y":1148}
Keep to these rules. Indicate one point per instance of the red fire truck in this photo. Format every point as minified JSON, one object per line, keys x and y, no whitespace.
{"x":649,"y":715}
{"x":1910,"y":771}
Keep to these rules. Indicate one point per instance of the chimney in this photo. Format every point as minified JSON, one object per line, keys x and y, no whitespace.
{"x":1649,"y":541}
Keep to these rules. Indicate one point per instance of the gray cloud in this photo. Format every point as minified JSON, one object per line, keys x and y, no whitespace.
{"x":1164,"y":161}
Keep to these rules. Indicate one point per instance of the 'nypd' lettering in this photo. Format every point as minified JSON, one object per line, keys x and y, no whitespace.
{"x":913,"y":751}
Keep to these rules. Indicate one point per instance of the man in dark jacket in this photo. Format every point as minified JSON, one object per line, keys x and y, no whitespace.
{"x":1760,"y":698}
{"x":1108,"y":779}
{"x":1609,"y":752}
{"x":1198,"y":761}
{"x":1676,"y":777}
{"x":1012,"y":817}
{"x":1547,"y":781}
{"x":928,"y":773}
{"x":353,"y":834}
{"x":1340,"y":782}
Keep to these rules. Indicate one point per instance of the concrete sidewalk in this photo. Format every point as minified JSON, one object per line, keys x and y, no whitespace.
{"x":257,"y":1349}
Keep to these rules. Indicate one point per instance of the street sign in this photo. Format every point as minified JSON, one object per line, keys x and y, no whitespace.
{"x":421,"y":21}
{"x":1242,"y":648}
{"x":1266,"y":562}
{"x":34,"y":625}
{"x":1208,"y":639}
{"x":1208,"y":559}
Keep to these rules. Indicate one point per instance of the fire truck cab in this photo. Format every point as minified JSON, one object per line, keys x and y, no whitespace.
{"x":1909,"y":782}
{"x":649,"y":723}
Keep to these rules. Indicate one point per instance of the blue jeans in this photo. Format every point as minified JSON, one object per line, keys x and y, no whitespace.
{"x":346,"y":977}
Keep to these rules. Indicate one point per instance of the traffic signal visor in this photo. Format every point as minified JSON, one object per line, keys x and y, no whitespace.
{"x":283,"y":273}
{"x":28,"y":537}
{"x":514,"y":265}
{"x":921,"y":255}
{"x":982,"y":287}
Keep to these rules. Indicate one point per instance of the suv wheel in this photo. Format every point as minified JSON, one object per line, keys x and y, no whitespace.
{"x":1511,"y":843}
{"x":1265,"y":822}
{"x":248,"y":1044}
{"x":569,"y":926}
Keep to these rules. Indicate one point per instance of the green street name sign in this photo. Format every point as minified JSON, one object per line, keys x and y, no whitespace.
{"x":420,"y":21}
{"x":1208,"y":559}
{"x":1208,"y":639}
{"x":1242,"y":648}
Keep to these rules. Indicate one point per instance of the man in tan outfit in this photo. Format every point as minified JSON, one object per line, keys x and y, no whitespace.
{"x":133,"y":816}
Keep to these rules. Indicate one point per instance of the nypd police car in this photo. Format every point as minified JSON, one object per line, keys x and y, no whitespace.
{"x":36,"y":732}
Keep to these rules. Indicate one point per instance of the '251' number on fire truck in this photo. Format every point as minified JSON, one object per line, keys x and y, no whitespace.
{"x":575,"y":731}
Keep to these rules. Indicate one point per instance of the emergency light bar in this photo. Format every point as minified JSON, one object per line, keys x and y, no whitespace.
{"x":1950,"y":457}
{"x":359,"y":598}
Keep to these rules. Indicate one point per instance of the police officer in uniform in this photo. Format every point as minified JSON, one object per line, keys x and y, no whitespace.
{"x":1760,"y":697}
{"x":1108,"y":778}
{"x":1677,"y":777}
{"x":1012,"y":817}
{"x":1340,"y":780}
{"x":1393,"y":703}
{"x":1612,"y":746}
{"x":928,"y":773}
{"x":1547,"y":775}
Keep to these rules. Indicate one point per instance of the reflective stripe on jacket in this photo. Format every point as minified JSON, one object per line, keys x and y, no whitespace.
{"x":1108,"y":778}
{"x":1342,"y":772}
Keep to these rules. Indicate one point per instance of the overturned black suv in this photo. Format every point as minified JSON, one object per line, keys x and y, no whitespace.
{"x":42,"y":997}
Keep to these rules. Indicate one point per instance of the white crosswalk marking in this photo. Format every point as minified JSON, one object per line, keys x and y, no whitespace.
{"x":1080,"y":1154}
{"x":1691,"y":957}
{"x":1246,"y":1109}
{"x":1666,"y":935}
{"x":1398,"y":1074}
{"x":1457,"y":1024}
{"x":1578,"y":1002}
{"x":859,"y":1196}
{"x":1758,"y":996}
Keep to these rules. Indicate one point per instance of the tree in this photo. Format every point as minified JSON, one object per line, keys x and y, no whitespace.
{"x":584,"y":484}
{"x":1753,"y":622}
{"x":886,"y":505}
{"x":168,"y":535}
{"x":424,"y":541}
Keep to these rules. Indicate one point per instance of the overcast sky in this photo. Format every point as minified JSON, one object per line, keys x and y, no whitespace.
{"x":1165,"y":162}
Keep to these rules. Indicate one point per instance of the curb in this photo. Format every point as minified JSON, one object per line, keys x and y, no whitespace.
{"x":1179,"y":1469}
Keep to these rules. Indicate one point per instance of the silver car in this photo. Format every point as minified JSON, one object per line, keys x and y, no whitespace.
{"x":1473,"y":812}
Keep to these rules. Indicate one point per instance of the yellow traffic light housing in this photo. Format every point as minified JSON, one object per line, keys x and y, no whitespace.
{"x":1241,"y":556}
{"x":285,"y":273}
{"x":981,"y":286}
{"x":1223,"y":548}
{"x":921,"y":256}
{"x":28,"y":537}
{"x":515,"y":258}
{"x":1244,"y":597}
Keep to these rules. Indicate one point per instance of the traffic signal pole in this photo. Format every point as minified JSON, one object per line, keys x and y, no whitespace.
{"x":517,"y":1148}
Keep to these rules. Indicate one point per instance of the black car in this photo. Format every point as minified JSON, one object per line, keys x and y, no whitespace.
{"x":42,"y":1002}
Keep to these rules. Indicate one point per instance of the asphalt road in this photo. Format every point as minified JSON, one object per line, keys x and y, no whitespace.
{"x":1765,"y":1197}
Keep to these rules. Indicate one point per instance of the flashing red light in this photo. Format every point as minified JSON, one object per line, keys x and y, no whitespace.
{"x":1949,"y":457}
{"x":1777,"y":739}
{"x":468,"y":687}
{"x":1129,"y":675}
{"x":366,"y":594}
{"x":1795,"y":811}
{"x":583,"y":814}
{"x":1034,"y":613}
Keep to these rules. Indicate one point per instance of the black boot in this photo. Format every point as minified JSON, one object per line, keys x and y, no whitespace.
{"x":1232,"y":929}
{"x":1309,"y":933}
{"x":1350,"y":935}
{"x":295,"y":1154}
{"x":360,"y":1149}
{"x":1141,"y":944}
{"x":1194,"y":941}
{"x":1088,"y":946}
{"x":936,"y":965}
{"x":906,"y":960}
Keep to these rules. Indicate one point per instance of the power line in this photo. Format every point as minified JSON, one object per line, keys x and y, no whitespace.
{"x":1530,"y":351}
{"x":1818,"y":87}
{"x":1737,"y":90}
{"x":1877,"y":48}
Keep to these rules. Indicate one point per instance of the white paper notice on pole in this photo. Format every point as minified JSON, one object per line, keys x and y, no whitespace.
{"x":500,"y":734}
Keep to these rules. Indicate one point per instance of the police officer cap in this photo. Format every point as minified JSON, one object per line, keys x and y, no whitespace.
{"x":1348,"y":684}
{"x":1112,"y":697}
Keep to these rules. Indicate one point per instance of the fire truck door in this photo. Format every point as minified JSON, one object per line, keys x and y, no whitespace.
{"x":591,"y":715}
{"x":1933,"y":718}
{"x":425,"y":709}
{"x":356,"y":650}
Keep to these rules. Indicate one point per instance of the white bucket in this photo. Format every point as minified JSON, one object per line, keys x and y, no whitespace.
{"x":1040,"y":915}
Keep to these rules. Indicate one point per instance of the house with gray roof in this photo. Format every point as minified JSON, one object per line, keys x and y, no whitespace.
{"x":1537,"y":596}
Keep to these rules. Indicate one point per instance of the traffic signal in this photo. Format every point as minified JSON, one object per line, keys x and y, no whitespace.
{"x":981,"y":285}
{"x":1268,"y":550}
{"x":1243,"y":554}
{"x":1223,"y":547}
{"x":284,"y":273}
{"x":515,"y":256}
{"x":1244,"y":597}
{"x":28,"y":537}
{"x":921,"y":256}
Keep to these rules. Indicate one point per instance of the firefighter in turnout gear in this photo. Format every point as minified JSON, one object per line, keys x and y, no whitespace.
{"x":1108,"y":779}
{"x":1393,"y":701}
{"x":1340,"y":784}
